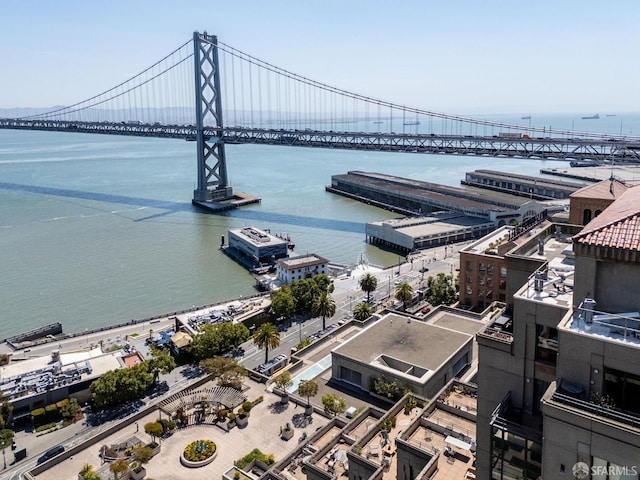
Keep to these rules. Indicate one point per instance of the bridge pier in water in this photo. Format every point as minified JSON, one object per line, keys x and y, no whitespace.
{"x":213,"y":191}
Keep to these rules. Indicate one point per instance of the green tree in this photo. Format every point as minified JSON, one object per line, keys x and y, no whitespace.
{"x":70,"y":409}
{"x":362,"y":311}
{"x":324,"y":283}
{"x":284,"y":381}
{"x":305,"y":291}
{"x":142,"y":453}
{"x":6,"y":438}
{"x":118,"y":386}
{"x":440,"y":291}
{"x":308,"y":388}
{"x":368,"y":284}
{"x":227,"y":370}
{"x":88,"y":473}
{"x":5,"y":411}
{"x":217,"y":339}
{"x":161,"y":361}
{"x":154,"y":429}
{"x":118,"y":467}
{"x":404,"y":294}
{"x":324,"y":306}
{"x":333,"y":405}
{"x":267,"y":337}
{"x":283,"y":303}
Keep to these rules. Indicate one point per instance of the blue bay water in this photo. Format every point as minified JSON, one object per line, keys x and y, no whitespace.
{"x":97,"y":230}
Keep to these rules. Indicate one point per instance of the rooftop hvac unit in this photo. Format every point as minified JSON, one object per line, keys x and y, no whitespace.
{"x":538,"y":281}
{"x":588,"y":305}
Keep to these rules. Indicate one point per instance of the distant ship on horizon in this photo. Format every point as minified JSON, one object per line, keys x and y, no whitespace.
{"x":591,"y":117}
{"x":412,"y":123}
{"x":526,"y":117}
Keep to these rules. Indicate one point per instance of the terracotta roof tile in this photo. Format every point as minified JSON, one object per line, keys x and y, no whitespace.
{"x":606,"y":189}
{"x":618,"y":226}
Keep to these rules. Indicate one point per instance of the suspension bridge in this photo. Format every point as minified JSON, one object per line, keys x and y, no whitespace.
{"x":210,"y":93}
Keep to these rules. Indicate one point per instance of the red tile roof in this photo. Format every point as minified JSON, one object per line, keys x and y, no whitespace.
{"x":618,"y":226}
{"x":606,"y":189}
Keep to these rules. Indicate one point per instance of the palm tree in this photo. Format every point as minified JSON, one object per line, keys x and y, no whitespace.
{"x":323,"y":306}
{"x":368,"y":284}
{"x":267,"y":336}
{"x":362,"y":311}
{"x":404,"y":294}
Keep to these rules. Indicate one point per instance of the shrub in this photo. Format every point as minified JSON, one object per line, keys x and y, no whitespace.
{"x":51,"y":411}
{"x":247,"y":406}
{"x":46,"y":426}
{"x":199,"y":450}
{"x":167,"y":425}
{"x":389,"y":422}
{"x":256,"y":454}
{"x":37,"y":416}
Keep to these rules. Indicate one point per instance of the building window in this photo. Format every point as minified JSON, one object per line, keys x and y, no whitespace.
{"x":351,"y":376}
{"x":503,"y":285}
{"x":503,"y":271}
{"x":489,"y":282}
{"x":481,"y":267}
{"x":601,"y":469}
{"x":546,"y":344}
{"x":469,"y":279}
{"x":586,"y":216}
{"x":469,"y":290}
{"x":489,"y":269}
{"x":469,"y":265}
{"x":481,"y":281}
{"x":623,"y":388}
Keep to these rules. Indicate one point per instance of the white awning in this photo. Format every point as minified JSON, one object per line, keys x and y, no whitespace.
{"x":456,"y":442}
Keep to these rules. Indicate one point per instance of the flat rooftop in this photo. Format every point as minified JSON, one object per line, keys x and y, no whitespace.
{"x":457,"y":198}
{"x":412,"y":341}
{"x":555,"y":284}
{"x":302,"y":261}
{"x":257,"y":237}
{"x":431,"y":224}
{"x":617,"y":327}
{"x":496,"y":237}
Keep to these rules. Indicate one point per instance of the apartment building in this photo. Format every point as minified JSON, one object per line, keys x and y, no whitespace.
{"x":559,"y":380}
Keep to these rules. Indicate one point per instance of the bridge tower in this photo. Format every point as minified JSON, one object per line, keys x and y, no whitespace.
{"x":213,"y":184}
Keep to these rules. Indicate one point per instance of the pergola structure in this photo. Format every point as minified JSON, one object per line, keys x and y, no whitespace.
{"x":191,"y":401}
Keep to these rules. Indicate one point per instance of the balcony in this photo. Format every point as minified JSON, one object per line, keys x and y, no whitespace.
{"x":594,"y":410}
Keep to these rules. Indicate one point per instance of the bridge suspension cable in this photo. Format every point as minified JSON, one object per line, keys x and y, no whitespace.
{"x":260,"y":95}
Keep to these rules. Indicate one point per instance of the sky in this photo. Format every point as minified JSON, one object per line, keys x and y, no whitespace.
{"x":455,"y":56}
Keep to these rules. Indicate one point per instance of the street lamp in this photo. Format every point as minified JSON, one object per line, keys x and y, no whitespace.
{"x":389,"y":289}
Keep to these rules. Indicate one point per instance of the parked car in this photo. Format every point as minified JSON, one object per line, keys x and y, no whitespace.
{"x":426,"y":309}
{"x":52,"y":452}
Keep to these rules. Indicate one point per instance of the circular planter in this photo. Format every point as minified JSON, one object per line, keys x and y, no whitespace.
{"x":199,"y":463}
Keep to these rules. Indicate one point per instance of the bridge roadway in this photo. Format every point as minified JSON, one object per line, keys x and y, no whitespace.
{"x":599,"y":148}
